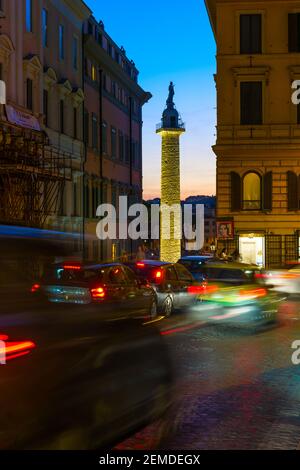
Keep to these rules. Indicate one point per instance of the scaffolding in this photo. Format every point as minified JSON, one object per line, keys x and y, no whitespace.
{"x":32,"y":176}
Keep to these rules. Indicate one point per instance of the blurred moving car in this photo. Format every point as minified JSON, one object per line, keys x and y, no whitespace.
{"x":71,"y":378}
{"x":169,"y":281}
{"x":231,"y":295}
{"x":228,"y":272}
{"x":113,"y":289}
{"x":286,"y":281}
{"x":195,"y":263}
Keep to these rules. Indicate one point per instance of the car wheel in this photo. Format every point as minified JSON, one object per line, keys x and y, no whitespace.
{"x":153,"y":310}
{"x":167,"y":307}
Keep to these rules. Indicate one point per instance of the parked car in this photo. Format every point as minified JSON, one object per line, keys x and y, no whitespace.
{"x":231,"y":294}
{"x":169,"y":281}
{"x":70,"y":377}
{"x":112,"y":289}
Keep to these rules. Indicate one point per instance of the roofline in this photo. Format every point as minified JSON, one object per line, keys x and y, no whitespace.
{"x":211,"y":10}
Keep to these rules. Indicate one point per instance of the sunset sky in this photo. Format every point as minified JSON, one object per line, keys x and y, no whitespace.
{"x":170,"y":40}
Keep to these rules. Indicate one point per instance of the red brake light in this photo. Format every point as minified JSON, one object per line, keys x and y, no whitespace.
{"x":204,"y":289}
{"x":35,"y":287}
{"x":13,"y":349}
{"x":253,"y":293}
{"x":97,"y":293}
{"x":72,"y":267}
{"x":158,"y":275}
{"x":140,"y":265}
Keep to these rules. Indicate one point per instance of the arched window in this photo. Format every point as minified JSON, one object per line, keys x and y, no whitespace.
{"x":252,"y":191}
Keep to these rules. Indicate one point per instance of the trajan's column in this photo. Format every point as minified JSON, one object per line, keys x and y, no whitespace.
{"x":170,"y":130}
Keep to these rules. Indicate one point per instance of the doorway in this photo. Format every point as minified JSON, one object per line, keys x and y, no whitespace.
{"x":252,"y":249}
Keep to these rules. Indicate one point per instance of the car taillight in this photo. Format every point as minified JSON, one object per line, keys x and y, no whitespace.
{"x":140,"y":265}
{"x":35,"y":287}
{"x":204,"y":289}
{"x":98,"y":293}
{"x":72,"y":267}
{"x":253,"y":293}
{"x":13,"y":349}
{"x":158,"y":275}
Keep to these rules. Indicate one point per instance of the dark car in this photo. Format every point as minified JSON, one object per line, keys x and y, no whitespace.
{"x":71,"y":378}
{"x":112,"y":289}
{"x":195,"y":263}
{"x":171,"y":283}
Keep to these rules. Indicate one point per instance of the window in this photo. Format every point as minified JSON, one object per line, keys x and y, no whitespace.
{"x":29,"y":94}
{"x":170,"y":274}
{"x":183,"y":273}
{"x":293,"y":186}
{"x":250,"y":34}
{"x":29,"y":16}
{"x":86,"y":126}
{"x":94,"y":131}
{"x":127,"y":149}
{"x":113,"y":143}
{"x":104,"y":137}
{"x":45,"y":27}
{"x":90,"y":28}
{"x":61,"y":32}
{"x":87,"y":199}
{"x":117,"y":276}
{"x":121,"y":146}
{"x":94,"y":73}
{"x":294,"y":32}
{"x":75,"y":123}
{"x":62,"y":116}
{"x":251,"y":103}
{"x":75,"y":53}
{"x":75,"y":208}
{"x":252,"y":192}
{"x":45,"y":106}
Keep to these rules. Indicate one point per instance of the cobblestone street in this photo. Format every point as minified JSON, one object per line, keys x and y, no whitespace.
{"x":234,"y":391}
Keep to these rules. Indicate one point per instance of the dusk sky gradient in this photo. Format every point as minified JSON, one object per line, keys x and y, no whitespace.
{"x":170,"y":40}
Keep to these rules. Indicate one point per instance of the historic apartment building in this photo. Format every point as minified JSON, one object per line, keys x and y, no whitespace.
{"x":71,"y":130}
{"x":113,"y":134}
{"x":258,"y":127}
{"x":42,"y":150}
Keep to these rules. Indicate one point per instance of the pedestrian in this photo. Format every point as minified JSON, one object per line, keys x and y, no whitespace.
{"x":223,"y":254}
{"x":140,"y":256}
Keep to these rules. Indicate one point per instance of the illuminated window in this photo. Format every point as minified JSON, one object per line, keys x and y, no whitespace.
{"x":252,"y":192}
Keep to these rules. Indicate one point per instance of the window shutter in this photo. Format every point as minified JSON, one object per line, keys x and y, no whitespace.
{"x":293,"y":193}
{"x":293,"y":32}
{"x":245,"y":34}
{"x":267,"y":188}
{"x":256,"y":36}
{"x":236,"y":192}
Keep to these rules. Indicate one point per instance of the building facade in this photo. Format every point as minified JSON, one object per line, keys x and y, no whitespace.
{"x":113,"y":135}
{"x":71,"y":129}
{"x":258,"y":127}
{"x":42,"y":122}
